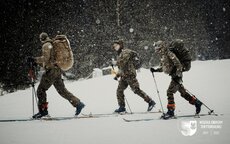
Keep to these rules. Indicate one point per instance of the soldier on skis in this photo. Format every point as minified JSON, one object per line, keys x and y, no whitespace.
{"x":127,"y":75}
{"x":53,"y":74}
{"x":175,"y":65}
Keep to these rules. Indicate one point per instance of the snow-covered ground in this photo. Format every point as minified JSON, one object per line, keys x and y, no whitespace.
{"x":208,"y":80}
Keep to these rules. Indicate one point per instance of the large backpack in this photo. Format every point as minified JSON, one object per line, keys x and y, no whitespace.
{"x":137,"y":62}
{"x":62,"y":52}
{"x":182,"y":53}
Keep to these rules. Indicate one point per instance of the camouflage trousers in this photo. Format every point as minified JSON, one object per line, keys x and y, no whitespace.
{"x":51,"y":77}
{"x":173,"y":88}
{"x":133,"y":83}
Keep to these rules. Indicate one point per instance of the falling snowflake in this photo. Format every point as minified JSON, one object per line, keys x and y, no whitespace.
{"x":98,"y":21}
{"x":131,"y":30}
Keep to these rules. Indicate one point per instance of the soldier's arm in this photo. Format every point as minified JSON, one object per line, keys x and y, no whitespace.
{"x":123,"y":60}
{"x":46,"y":51}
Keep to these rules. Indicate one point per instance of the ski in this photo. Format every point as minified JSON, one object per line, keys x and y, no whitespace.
{"x":118,"y":114}
{"x":197,"y":115}
{"x":174,"y":117}
{"x":138,"y":120}
{"x":47,"y":118}
{"x":16,"y":120}
{"x":66,"y":118}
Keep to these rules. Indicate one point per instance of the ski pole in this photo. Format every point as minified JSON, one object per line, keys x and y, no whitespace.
{"x":125,"y":97}
{"x":34,"y":96}
{"x":158,"y":93}
{"x":210,"y":110}
{"x":128,"y":105}
{"x":31,"y":75}
{"x":32,"y":79}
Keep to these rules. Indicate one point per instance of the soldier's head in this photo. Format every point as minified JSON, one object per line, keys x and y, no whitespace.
{"x":160,"y":47}
{"x":43,"y":36}
{"x":118,"y":45}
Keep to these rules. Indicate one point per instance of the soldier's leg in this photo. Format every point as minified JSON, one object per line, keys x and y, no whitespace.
{"x":134,"y":84}
{"x":191,"y":99}
{"x":186,"y":95}
{"x":61,"y":89}
{"x":46,"y":81}
{"x":120,"y":92}
{"x":173,"y":88}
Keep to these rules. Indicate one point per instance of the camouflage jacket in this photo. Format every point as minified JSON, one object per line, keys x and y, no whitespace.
{"x":45,"y":59}
{"x":125,"y":64}
{"x":170,"y":64}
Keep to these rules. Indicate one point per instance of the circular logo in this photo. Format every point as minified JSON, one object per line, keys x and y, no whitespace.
{"x":187,"y":127}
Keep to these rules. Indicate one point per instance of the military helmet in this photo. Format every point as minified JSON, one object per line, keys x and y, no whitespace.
{"x":120,"y":42}
{"x":158,"y":44}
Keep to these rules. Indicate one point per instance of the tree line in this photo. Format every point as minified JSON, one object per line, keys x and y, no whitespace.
{"x":92,"y":26}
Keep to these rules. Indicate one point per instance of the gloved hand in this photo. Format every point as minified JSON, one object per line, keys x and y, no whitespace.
{"x":115,"y":78}
{"x":153,"y":70}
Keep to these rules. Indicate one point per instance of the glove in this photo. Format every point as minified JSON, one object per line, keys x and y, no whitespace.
{"x":153,"y":70}
{"x":115,"y":78}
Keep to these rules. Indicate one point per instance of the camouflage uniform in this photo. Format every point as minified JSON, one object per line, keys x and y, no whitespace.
{"x":52,"y":76}
{"x":171,"y":65}
{"x":127,"y":72}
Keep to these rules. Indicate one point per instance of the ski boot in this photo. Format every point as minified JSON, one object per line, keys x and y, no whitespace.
{"x":168,"y":115}
{"x":42,"y":111}
{"x":79,"y":107}
{"x":121,"y":109}
{"x":40,"y":114}
{"x":151,"y":105}
{"x":198,"y":105}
